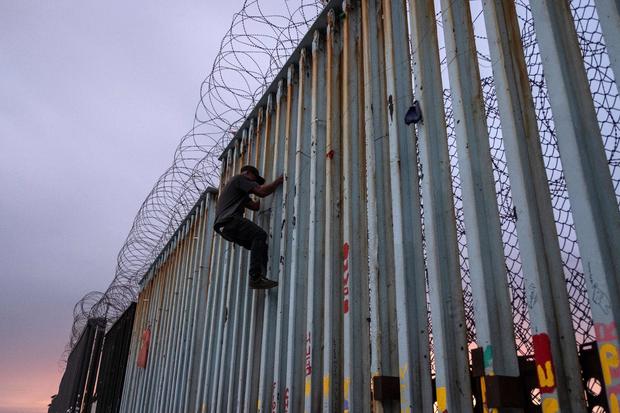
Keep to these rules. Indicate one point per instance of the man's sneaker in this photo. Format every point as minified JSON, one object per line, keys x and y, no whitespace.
{"x":262,"y":283}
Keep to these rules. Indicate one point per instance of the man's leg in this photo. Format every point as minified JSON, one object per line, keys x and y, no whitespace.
{"x":249,"y":235}
{"x":259,"y":257}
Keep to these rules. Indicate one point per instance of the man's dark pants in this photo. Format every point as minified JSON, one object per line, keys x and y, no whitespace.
{"x":250,"y":236}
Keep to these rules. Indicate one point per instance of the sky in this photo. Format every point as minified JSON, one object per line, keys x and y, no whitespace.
{"x":94,"y":98}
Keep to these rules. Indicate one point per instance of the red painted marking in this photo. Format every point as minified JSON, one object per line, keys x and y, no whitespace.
{"x":330,"y":154}
{"x":544,"y":363}
{"x":606,"y":332}
{"x":273,"y":398}
{"x":308,"y":354}
{"x":345,"y":289}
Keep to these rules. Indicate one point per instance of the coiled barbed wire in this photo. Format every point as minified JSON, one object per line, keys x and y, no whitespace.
{"x":260,"y":39}
{"x":253,"y":51}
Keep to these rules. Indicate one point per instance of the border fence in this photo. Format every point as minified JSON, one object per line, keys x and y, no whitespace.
{"x":445,"y":239}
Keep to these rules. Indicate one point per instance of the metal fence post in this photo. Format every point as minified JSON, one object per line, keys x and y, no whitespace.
{"x":609,"y":17}
{"x":492,"y":308}
{"x":356,"y":384}
{"x":592,"y":196}
{"x":271,"y":296}
{"x":332,"y":342}
{"x":382,"y":328}
{"x":410,"y":279}
{"x":312,"y":360}
{"x":538,"y":243}
{"x":298,"y":254}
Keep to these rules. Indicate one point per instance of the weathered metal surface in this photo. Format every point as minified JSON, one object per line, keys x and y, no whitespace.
{"x":592,"y":196}
{"x":354,"y":251}
{"x":538,"y":243}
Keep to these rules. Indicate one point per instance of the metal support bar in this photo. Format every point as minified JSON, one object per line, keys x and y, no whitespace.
{"x":356,"y":384}
{"x":609,"y":15}
{"x":382,"y":326}
{"x":538,"y":242}
{"x":332,"y":389}
{"x":312,"y":366}
{"x":489,"y":280}
{"x":446,"y":296}
{"x":592,"y":196}
{"x":409,"y":269}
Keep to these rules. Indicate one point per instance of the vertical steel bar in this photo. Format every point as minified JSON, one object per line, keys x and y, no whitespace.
{"x":222,"y":355}
{"x":444,"y":279}
{"x":241,"y":281}
{"x":609,"y":16}
{"x":235,"y":278}
{"x":152,"y":398}
{"x":248,"y":304}
{"x":293,"y":393}
{"x":187,"y":326}
{"x":538,"y":243}
{"x":157,"y":316}
{"x":181,"y":322}
{"x":332,"y":343}
{"x":270,"y":154}
{"x":383,"y":350}
{"x":198,"y":341}
{"x":176,"y":274}
{"x":592,"y":196}
{"x":237,"y":379}
{"x":410,"y":282}
{"x":130,"y":372}
{"x":356,"y":384}
{"x":271,"y":300}
{"x":489,"y":280}
{"x":176,"y":332}
{"x":316,"y":252}
{"x":284,"y":259}
{"x":212,"y":296}
{"x":221,"y":289}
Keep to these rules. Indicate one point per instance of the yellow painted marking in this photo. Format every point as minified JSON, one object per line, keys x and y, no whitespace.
{"x":608,"y":354}
{"x":403,"y":370}
{"x":545,"y":376}
{"x":442,"y":399}
{"x":550,"y":405}
{"x":347,"y":388}
{"x":483,"y":391}
{"x":613,"y":404}
{"x":308,"y":386}
{"x":325,"y":385}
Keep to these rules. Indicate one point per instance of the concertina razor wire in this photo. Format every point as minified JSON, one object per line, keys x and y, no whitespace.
{"x":260,"y":39}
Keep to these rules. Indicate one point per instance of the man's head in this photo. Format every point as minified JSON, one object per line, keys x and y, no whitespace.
{"x":252,"y":173}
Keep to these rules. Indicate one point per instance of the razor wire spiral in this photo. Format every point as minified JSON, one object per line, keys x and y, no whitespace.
{"x":253,"y":50}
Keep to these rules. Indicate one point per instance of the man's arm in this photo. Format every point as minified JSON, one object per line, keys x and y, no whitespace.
{"x":253,"y":205}
{"x":267,"y":189}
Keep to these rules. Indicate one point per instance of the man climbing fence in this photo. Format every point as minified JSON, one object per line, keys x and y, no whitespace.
{"x":230,"y":223}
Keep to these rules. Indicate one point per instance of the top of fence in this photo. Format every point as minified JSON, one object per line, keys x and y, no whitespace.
{"x":319,"y":24}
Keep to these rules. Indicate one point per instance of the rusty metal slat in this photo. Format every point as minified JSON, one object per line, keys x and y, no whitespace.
{"x":356,"y":350}
{"x":382,"y":328}
{"x":410,"y":283}
{"x":313,"y":339}
{"x":266,"y":372}
{"x":331,"y":389}
{"x":592,"y":197}
{"x":285,"y":229}
{"x":298,"y":253}
{"x":538,"y":243}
